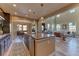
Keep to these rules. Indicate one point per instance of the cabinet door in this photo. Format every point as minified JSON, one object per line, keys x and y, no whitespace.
{"x":0,"y":48}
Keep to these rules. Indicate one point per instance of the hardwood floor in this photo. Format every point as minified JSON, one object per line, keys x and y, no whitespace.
{"x":70,"y":47}
{"x":18,"y":48}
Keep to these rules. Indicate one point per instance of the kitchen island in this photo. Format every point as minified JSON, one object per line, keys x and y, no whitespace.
{"x":41,"y":44}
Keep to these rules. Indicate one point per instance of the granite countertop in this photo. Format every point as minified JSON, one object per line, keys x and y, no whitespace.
{"x":41,"y":35}
{"x":2,"y":36}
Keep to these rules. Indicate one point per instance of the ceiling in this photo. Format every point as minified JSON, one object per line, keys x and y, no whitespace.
{"x":32,"y":10}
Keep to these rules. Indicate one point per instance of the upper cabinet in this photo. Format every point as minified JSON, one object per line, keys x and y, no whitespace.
{"x":4,"y":22}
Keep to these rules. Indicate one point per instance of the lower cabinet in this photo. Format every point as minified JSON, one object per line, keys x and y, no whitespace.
{"x":0,"y":49}
{"x":5,"y":43}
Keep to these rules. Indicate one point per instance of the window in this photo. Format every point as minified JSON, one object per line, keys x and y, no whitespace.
{"x":72,"y":27}
{"x":58,"y":27}
{"x":19,"y":27}
{"x":42,"y":27}
{"x":48,"y":26}
{"x":52,"y":27}
{"x":24,"y":27}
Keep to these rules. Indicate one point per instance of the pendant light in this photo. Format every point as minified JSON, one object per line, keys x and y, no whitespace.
{"x":42,"y":4}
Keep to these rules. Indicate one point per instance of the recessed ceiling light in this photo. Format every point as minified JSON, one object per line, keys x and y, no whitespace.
{"x":15,"y":13}
{"x":14,"y":5}
{"x":26,"y":15}
{"x":58,"y":16}
{"x":42,"y":17}
{"x":29,"y":10}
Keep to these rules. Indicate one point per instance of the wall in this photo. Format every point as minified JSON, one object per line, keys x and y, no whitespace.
{"x":65,"y":18}
{"x":18,"y":20}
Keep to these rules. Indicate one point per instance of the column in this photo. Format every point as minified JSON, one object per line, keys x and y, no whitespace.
{"x":55,"y":23}
{"x":29,"y":28}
